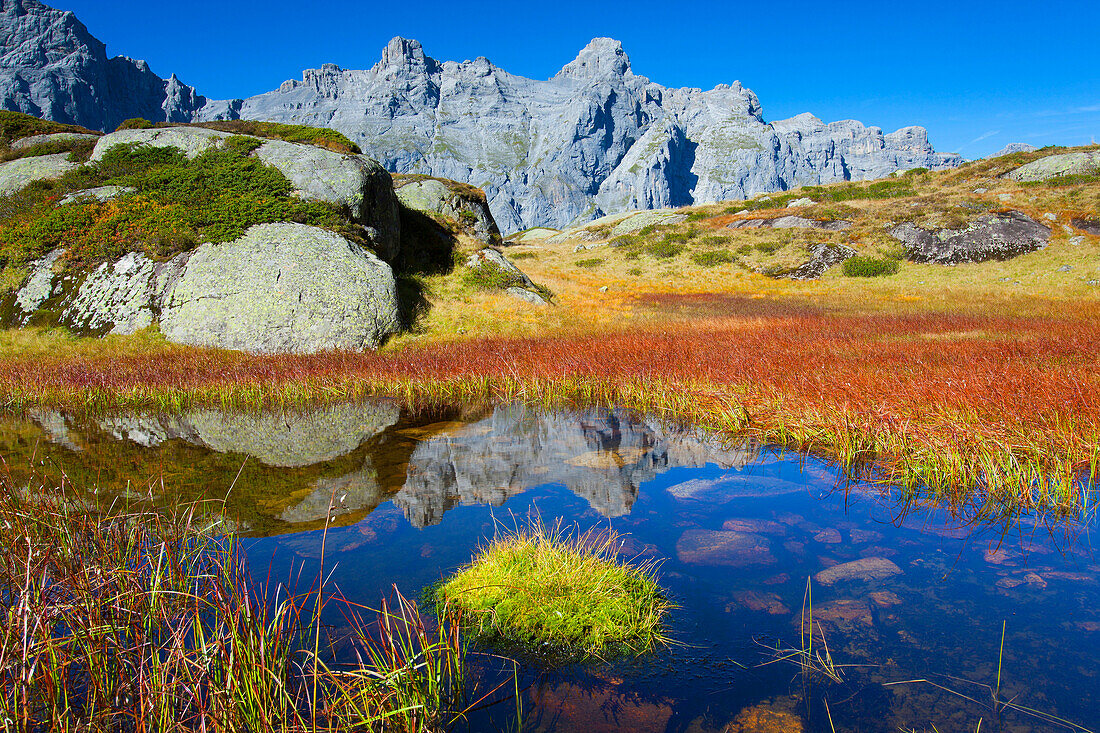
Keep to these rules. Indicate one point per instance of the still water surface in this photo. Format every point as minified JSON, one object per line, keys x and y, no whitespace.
{"x":900,"y":592}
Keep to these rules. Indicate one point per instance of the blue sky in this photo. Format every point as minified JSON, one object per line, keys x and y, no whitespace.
{"x":978,"y":75}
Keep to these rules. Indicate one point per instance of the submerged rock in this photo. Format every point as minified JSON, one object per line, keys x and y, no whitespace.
{"x":990,"y":237}
{"x":723,"y":547}
{"x":764,"y":718}
{"x":867,"y":569}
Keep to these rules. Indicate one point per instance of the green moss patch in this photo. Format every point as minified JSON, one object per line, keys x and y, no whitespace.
{"x":539,"y":589}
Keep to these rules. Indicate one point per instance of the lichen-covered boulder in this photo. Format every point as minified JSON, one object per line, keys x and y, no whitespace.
{"x":191,"y":141}
{"x":120,"y":297}
{"x":460,"y":202}
{"x":15,"y":175}
{"x":999,"y":236}
{"x":790,"y":222}
{"x":356,"y":182}
{"x":282,"y":288}
{"x":57,"y":137}
{"x":1055,"y":166}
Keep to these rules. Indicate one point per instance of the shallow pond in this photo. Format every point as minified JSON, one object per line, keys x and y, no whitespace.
{"x":900,"y":592}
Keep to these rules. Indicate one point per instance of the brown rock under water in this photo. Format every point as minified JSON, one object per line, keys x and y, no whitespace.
{"x":719,"y":547}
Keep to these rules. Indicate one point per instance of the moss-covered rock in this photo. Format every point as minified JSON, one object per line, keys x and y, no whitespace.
{"x":282,"y":288}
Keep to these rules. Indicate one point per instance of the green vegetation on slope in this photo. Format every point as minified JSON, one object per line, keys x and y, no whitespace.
{"x":16,"y":125}
{"x":177,"y":204}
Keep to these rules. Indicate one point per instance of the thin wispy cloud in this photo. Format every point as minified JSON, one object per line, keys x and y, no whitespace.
{"x":979,"y":138}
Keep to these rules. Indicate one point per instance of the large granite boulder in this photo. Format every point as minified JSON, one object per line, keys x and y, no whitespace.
{"x":191,"y":141}
{"x":999,"y":236}
{"x":17,"y":174}
{"x":355,"y":182}
{"x":24,"y":143}
{"x":282,"y":288}
{"x":279,"y":288}
{"x":459,"y":202}
{"x":1056,"y":166}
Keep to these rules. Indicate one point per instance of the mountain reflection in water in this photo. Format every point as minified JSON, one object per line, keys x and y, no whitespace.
{"x":900,"y":591}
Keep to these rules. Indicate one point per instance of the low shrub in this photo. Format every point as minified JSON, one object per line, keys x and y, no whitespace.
{"x":135,"y":123}
{"x":713,"y":257}
{"x":540,"y":589}
{"x":590,"y":262}
{"x":863,"y":266}
{"x":664,"y":249}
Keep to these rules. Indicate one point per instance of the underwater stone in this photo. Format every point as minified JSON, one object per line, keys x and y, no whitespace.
{"x":722,"y":547}
{"x":867,"y":569}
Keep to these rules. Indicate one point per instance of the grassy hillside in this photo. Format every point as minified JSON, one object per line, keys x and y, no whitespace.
{"x":976,"y":382}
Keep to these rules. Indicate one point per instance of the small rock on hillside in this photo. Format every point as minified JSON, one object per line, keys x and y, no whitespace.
{"x":822,"y":257}
{"x":462,"y":203}
{"x":18,"y":174}
{"x":1014,"y":148}
{"x":495,"y":271}
{"x":998,"y":236}
{"x":1091,"y":226}
{"x":1055,"y":166}
{"x":790,"y":222}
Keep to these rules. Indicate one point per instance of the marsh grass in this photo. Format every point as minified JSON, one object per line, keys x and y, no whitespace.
{"x":123,"y":619}
{"x":559,"y":594}
{"x":811,"y":660}
{"x":988,"y":696}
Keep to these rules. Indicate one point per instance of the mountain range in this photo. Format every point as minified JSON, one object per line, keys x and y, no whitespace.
{"x":594,"y":139}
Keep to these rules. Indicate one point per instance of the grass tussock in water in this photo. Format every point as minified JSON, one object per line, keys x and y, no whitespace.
{"x":546,"y":591}
{"x":131,"y":620}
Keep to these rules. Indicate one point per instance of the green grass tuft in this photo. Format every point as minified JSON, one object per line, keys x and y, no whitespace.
{"x":713,"y":257}
{"x":539,"y":588}
{"x":862,"y":266}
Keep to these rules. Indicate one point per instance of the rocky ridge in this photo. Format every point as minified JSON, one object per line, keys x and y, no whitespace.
{"x":594,"y":139}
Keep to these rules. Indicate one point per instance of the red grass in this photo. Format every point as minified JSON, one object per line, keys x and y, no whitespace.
{"x":1026,"y":384}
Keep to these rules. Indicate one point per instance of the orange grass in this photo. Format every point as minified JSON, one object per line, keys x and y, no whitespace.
{"x":956,"y":403}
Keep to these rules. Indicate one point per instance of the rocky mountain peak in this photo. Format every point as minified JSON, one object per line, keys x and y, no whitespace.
{"x":601,"y":57}
{"x":404,"y":54}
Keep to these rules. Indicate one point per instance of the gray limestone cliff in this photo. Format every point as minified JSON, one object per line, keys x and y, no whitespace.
{"x":52,"y":67}
{"x":594,"y":139}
